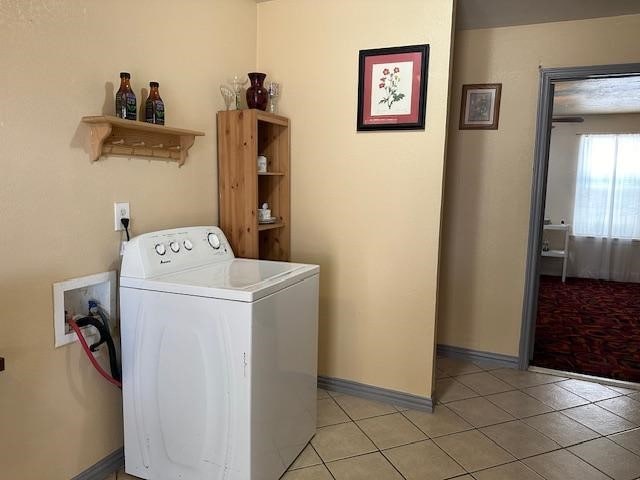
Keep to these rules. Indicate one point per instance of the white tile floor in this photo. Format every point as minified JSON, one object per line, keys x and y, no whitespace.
{"x":489,"y":424}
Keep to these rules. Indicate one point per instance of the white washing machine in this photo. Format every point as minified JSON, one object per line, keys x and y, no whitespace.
{"x":219,"y":358}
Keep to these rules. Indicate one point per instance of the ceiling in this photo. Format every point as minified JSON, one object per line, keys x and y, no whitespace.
{"x":597,"y":96}
{"x":472,"y":14}
{"x":501,"y":13}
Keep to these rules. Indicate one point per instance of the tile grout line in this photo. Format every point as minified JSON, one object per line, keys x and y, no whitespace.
{"x":445,"y":434}
{"x":593,"y":466}
{"x":600,"y":435}
{"x":324,"y":464}
{"x":379,"y":450}
{"x":618,"y":394}
{"x":622,"y":446}
{"x":522,"y":419}
{"x":367,"y":436}
{"x":546,"y":413}
{"x":589,"y":402}
{"x":518,"y":419}
{"x":510,"y":463}
{"x":428,"y":438}
{"x":431,"y":439}
{"x":521,"y":389}
{"x":320,"y":457}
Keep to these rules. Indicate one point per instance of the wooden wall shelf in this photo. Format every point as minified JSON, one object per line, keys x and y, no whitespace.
{"x":116,"y":136}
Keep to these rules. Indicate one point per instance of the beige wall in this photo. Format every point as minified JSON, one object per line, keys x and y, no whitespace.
{"x":488,"y":179}
{"x":365,"y":206}
{"x":57,"y":417}
{"x":563,"y":158}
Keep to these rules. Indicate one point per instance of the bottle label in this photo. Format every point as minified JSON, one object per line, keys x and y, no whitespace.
{"x":131,"y":106}
{"x":121,"y":109}
{"x":154,"y":112}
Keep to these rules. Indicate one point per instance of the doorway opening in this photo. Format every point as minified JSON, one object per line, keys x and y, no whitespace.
{"x":582,"y":291}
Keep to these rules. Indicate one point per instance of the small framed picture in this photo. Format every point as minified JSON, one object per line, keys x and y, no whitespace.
{"x":392,"y":87}
{"x":480,"y":107}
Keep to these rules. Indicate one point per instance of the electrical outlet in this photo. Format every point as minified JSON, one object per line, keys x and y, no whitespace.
{"x":120,"y":210}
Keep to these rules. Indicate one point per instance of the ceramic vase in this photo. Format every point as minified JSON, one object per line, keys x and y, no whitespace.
{"x":257,"y":95}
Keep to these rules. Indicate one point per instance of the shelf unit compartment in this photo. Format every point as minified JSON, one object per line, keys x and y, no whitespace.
{"x":273,"y":143}
{"x":271,"y":192}
{"x":274,"y":245}
{"x":116,"y":136}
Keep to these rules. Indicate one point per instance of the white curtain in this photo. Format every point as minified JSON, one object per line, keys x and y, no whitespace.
{"x":613,"y":259}
{"x":606,"y":217}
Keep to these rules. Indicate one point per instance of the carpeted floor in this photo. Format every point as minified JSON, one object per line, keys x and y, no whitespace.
{"x":589,"y":326}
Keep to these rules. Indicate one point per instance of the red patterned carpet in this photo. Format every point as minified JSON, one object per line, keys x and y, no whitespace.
{"x":589,"y":326}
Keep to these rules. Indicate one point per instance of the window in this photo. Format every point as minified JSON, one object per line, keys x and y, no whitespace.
{"x":607,"y":201}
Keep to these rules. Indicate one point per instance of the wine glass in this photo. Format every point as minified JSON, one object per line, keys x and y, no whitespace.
{"x":228,"y":95}
{"x":237,"y":88}
{"x":274,"y":93}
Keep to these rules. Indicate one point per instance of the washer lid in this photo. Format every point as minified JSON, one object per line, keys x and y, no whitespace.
{"x":238,"y":279}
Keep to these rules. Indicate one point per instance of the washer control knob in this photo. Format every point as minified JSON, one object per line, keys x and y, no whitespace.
{"x":161,"y":249}
{"x":188,"y":245}
{"x":175,"y":247}
{"x":213,"y":240}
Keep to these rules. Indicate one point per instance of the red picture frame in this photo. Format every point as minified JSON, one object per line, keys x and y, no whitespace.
{"x":392,"y":86}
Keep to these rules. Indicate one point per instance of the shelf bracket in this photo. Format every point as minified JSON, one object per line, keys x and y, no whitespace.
{"x":186,"y":142}
{"x":99,"y":133}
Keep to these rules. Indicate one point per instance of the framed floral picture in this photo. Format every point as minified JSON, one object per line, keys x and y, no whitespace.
{"x":480,"y":107}
{"x":392,"y":87}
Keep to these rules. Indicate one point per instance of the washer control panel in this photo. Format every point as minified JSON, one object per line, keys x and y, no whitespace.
{"x":169,"y":251}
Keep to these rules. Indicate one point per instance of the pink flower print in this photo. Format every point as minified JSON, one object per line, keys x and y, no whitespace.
{"x":391,"y":84}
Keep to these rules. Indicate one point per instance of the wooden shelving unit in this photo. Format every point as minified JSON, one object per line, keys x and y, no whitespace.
{"x":242,"y":136}
{"x":116,"y":136}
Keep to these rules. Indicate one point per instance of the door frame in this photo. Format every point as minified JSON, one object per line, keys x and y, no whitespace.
{"x":548,"y":78}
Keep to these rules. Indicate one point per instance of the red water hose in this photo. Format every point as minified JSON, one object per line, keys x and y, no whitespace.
{"x":94,"y":362}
